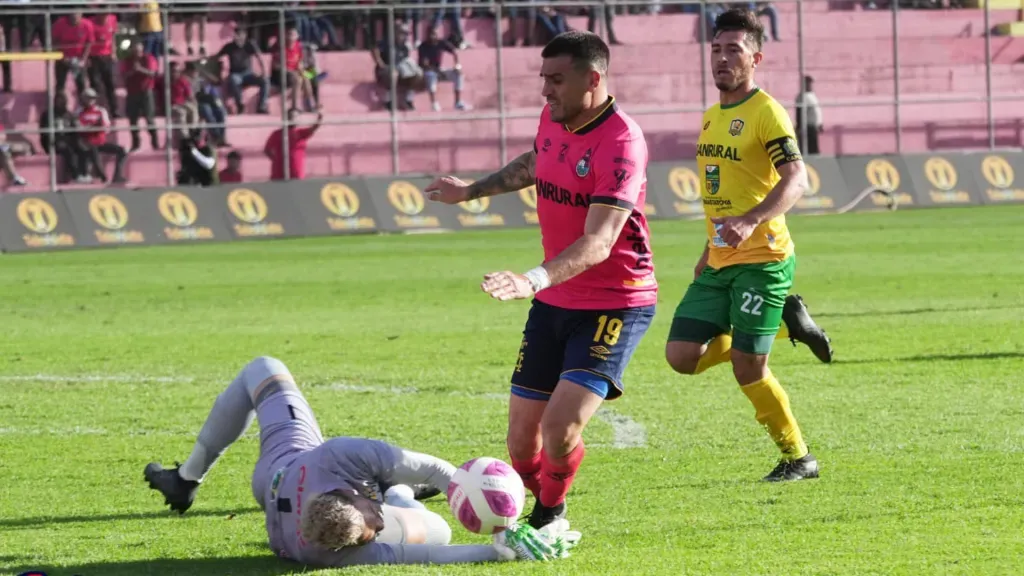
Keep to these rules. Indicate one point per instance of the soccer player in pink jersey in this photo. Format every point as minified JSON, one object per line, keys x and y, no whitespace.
{"x":594,"y":295}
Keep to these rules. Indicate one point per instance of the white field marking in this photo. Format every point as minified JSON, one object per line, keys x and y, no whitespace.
{"x":626,"y":432}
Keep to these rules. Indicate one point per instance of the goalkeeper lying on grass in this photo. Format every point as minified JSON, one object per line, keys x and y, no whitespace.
{"x":323,"y":499}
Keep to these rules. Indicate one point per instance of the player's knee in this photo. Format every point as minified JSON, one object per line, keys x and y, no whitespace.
{"x":683,"y":356}
{"x":522,"y":444}
{"x":260,"y":370}
{"x":560,"y":439}
{"x":749,"y":368}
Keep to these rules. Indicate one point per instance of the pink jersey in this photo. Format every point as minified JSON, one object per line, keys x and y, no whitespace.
{"x":603,"y":162}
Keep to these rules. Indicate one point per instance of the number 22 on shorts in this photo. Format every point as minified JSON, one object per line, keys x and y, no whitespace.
{"x":751,"y":304}
{"x":608,"y":329}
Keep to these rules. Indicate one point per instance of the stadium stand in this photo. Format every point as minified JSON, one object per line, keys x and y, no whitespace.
{"x":659,"y":64}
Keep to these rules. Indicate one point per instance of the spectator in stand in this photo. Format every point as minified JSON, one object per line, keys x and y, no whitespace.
{"x":206,"y":87}
{"x":296,"y":82}
{"x":607,"y":14}
{"x":311,"y":71}
{"x":408,"y":74}
{"x":313,"y":26}
{"x":198,"y":160}
{"x":233,"y":173}
{"x":183,"y":98}
{"x":95,"y":119}
{"x":101,"y":59}
{"x":430,"y":53}
{"x":552,"y":20}
{"x":74,"y":36}
{"x":240,"y":53}
{"x":529,"y":21}
{"x":814,"y":123}
{"x":151,"y":29}
{"x":139,"y":71}
{"x":66,"y":143}
{"x":7,"y":152}
{"x":7,"y":25}
{"x":298,"y":140}
{"x":197,"y":14}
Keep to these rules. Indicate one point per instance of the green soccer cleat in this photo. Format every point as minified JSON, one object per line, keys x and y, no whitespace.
{"x":178,"y":492}
{"x":791,"y":470}
{"x":802,"y":328}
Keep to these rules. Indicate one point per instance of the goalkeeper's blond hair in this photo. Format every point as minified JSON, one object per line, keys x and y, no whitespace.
{"x":331,"y":521}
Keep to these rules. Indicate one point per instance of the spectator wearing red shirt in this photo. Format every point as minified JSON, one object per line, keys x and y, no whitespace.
{"x":183,"y":98}
{"x":74,"y":36}
{"x":233,"y":173}
{"x":139,"y":71}
{"x":298,"y":140}
{"x":295,"y":80}
{"x":101,"y":58}
{"x":95,"y":117}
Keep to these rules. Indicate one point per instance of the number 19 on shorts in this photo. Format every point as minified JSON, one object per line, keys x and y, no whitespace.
{"x":608,"y":329}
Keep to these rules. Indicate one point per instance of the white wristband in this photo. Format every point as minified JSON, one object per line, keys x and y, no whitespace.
{"x":538,"y":278}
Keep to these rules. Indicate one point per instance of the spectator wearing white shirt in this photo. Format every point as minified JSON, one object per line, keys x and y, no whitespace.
{"x":809,"y":100}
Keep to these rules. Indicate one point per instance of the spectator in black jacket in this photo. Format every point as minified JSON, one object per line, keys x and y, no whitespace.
{"x":198,"y":160}
{"x":66,"y":144}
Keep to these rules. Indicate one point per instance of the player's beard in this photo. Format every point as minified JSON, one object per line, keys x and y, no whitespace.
{"x":730,"y":82}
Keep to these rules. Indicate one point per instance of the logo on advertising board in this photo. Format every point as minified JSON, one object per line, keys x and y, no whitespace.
{"x":181,"y":213}
{"x":250,"y":208}
{"x":112,"y":215}
{"x":343,"y":203}
{"x":40,"y":221}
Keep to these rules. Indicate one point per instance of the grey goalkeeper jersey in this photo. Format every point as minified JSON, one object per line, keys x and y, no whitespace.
{"x":369,"y":467}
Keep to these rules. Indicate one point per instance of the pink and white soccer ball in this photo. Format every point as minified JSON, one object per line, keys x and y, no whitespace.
{"x":486,"y":495}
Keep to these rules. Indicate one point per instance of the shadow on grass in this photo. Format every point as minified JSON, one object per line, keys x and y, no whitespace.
{"x":47,"y":520}
{"x":913,"y":311}
{"x":935,"y":358}
{"x":244,"y":565}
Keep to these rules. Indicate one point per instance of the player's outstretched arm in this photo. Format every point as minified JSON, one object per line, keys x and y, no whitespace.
{"x":413,"y":468}
{"x":517,"y":175}
{"x":603,"y":226}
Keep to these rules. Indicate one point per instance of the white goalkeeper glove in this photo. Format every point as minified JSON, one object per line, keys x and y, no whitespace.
{"x":523,"y":542}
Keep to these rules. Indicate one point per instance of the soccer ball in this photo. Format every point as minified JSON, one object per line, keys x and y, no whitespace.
{"x":486,"y":495}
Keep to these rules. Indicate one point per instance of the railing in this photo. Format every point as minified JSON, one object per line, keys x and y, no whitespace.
{"x":500,"y":114}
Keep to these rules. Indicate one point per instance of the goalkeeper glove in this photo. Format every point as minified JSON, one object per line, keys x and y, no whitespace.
{"x":523,"y":542}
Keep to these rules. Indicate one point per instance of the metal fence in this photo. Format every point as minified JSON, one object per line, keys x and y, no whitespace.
{"x":500,"y":117}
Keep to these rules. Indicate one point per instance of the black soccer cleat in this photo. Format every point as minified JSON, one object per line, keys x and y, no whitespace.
{"x":802,"y":328}
{"x":542,"y":515}
{"x":425,"y":491}
{"x":790,"y":470}
{"x":178,"y":492}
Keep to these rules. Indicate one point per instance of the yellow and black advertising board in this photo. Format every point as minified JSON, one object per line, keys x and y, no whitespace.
{"x":335,"y":206}
{"x":999,"y":175}
{"x":403,"y":206}
{"x":185,"y":215}
{"x":887,"y":173}
{"x":260,"y":210}
{"x":31,"y":222}
{"x":826,"y":189}
{"x":111,"y":217}
{"x":943,"y":179}
{"x":674,"y":189}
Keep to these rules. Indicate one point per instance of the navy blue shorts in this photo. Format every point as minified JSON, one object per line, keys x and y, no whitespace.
{"x":590,"y":348}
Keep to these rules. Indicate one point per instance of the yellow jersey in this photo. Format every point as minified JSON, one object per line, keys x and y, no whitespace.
{"x":739,"y":149}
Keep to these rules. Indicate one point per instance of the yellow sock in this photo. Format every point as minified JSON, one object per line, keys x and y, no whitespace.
{"x":783,"y":332}
{"x":771,"y":404}
{"x":717,"y":352}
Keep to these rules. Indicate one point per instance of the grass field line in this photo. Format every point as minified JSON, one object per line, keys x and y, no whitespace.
{"x":626,"y":432}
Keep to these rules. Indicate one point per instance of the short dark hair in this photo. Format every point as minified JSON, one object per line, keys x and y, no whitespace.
{"x":234,"y":154}
{"x":585,"y":48}
{"x":741,"y":19}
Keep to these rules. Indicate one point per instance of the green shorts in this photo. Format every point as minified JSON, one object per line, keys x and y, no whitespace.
{"x":747,"y":298}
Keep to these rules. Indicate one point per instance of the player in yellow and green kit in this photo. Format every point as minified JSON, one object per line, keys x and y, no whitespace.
{"x":752,"y":173}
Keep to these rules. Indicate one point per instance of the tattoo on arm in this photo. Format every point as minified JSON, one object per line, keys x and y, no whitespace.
{"x":517,"y":175}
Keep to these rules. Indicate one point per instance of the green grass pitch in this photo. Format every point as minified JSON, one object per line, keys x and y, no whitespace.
{"x":111,"y":359}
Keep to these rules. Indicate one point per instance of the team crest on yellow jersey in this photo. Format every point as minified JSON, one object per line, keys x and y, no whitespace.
{"x":736,"y":127}
{"x":712,"y":179}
